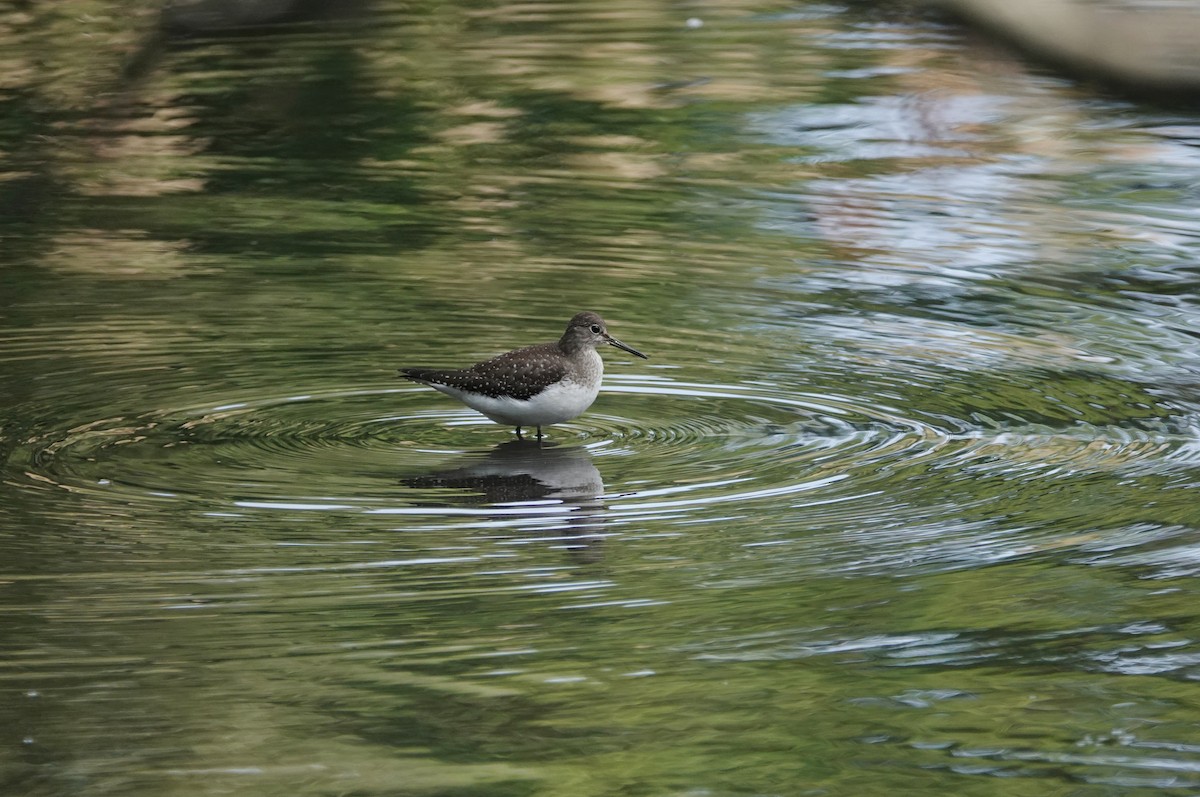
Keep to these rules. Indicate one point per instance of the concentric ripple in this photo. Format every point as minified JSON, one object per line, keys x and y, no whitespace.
{"x":655,"y":450}
{"x":349,"y":447}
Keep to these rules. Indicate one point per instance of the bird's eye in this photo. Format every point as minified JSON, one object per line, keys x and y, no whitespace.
{"x":595,"y":329}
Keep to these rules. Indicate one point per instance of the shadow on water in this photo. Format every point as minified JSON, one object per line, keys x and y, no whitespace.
{"x":528,"y":477}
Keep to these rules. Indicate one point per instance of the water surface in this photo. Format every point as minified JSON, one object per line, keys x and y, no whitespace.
{"x":904,"y":501}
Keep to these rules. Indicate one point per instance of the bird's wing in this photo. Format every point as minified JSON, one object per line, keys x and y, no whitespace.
{"x":520,"y":374}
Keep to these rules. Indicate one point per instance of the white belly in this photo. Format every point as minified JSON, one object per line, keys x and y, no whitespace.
{"x":557,"y":403}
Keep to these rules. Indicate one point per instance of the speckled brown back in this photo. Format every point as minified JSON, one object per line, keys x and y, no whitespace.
{"x":520,"y":374}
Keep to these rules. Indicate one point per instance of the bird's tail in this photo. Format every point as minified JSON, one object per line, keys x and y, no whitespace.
{"x":417,"y":374}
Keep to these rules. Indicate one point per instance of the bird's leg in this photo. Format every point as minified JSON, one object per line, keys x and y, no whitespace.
{"x":539,"y":433}
{"x":519,"y":437}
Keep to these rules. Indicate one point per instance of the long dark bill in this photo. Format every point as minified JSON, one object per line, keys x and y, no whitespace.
{"x":614,"y":342}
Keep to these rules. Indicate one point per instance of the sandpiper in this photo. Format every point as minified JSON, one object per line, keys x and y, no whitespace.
{"x":534,"y":386}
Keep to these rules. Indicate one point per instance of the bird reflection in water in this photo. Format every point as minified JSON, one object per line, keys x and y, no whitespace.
{"x":535,"y":474}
